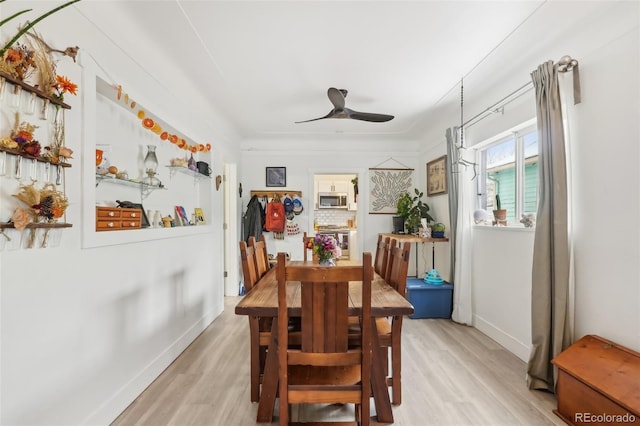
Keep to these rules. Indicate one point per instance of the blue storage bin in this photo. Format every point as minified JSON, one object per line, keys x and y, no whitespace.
{"x":428,"y":300}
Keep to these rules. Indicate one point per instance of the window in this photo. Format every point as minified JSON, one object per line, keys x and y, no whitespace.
{"x":509,"y":168}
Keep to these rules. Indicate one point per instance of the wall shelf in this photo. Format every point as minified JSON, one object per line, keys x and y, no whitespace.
{"x":37,"y":234}
{"x":39,"y":93}
{"x":184,"y":170}
{"x":144,"y":188}
{"x":6,"y":225}
{"x":25,"y":155}
{"x":270,"y":193}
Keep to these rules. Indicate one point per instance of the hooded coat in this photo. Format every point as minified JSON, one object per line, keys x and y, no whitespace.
{"x":252,"y":219}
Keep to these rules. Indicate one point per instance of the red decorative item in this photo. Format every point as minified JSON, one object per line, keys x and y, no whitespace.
{"x":32,"y":148}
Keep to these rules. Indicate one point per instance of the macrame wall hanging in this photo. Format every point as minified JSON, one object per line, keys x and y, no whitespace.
{"x":386,"y":185}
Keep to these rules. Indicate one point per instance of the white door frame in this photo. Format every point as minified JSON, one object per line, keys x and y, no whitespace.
{"x":230,"y":231}
{"x":362,"y":200}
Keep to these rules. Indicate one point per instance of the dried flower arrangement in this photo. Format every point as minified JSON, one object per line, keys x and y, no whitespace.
{"x":18,"y":61}
{"x":44,"y":205}
{"x":22,"y":138}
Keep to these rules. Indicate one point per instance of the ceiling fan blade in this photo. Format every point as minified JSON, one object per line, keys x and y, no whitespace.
{"x":330,"y":115}
{"x":368,"y":116}
{"x":336,"y":97}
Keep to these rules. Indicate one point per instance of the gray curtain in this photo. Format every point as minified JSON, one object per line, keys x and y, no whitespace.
{"x":550,"y":331}
{"x":452,"y":185}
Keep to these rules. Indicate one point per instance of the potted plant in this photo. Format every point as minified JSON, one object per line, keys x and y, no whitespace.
{"x":412,"y":210}
{"x":437,"y":230}
{"x":499,"y":214}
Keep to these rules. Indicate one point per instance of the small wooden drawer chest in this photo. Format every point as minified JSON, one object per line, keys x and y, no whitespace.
{"x":117,"y":219}
{"x":598,"y":383}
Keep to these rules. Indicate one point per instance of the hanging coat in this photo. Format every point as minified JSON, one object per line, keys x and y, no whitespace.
{"x":252,"y":220}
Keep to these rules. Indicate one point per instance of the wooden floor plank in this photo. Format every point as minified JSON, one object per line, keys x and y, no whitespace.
{"x":452,"y":375}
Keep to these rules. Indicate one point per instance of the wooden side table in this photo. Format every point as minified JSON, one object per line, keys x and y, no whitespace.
{"x":410,"y":238}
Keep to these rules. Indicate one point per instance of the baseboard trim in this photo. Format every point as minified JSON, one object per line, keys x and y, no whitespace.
{"x":509,"y":342}
{"x":123,"y":397}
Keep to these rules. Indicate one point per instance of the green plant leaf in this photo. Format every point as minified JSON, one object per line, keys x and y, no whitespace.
{"x":4,"y":21}
{"x":31,"y":24}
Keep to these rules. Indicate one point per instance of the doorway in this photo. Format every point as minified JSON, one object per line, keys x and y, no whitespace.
{"x":346,"y":219}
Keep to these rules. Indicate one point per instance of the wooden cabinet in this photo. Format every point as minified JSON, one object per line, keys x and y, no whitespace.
{"x":117,"y":219}
{"x":598,"y":383}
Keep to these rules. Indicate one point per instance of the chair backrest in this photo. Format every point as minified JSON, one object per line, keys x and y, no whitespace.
{"x":261,"y":255}
{"x":399,"y":265}
{"x":389,"y":261}
{"x":305,"y":247}
{"x":382,"y":255}
{"x":325,"y":310}
{"x":248,"y":259}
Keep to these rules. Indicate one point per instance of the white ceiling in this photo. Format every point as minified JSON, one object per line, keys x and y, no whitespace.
{"x":267,"y":64}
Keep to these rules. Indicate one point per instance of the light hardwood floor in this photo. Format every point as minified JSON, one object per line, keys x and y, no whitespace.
{"x":452,"y":375}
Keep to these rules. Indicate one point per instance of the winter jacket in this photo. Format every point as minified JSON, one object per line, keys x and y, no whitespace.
{"x":252,"y":219}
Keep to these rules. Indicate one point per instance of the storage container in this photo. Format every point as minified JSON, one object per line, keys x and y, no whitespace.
{"x":428,"y":300}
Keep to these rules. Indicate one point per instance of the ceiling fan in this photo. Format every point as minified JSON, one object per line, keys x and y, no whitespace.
{"x":336,"y":96}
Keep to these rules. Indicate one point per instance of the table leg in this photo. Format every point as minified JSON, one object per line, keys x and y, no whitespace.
{"x":416,"y":260}
{"x":269,"y":379}
{"x":433,"y":255}
{"x":378,"y":380}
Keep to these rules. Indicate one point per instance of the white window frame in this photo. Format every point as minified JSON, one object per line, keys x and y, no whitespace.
{"x":481,"y":147}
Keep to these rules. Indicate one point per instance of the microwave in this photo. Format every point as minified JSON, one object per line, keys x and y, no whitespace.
{"x":332,"y":200}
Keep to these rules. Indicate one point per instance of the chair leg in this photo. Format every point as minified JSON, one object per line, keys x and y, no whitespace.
{"x":254,"y":336}
{"x":396,"y":363}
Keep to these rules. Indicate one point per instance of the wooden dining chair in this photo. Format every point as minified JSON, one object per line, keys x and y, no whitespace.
{"x":389,"y":266}
{"x":248,"y":261}
{"x":261,"y":254}
{"x":325,"y":368}
{"x":382,"y":255}
{"x":259,"y":330}
{"x":305,"y":249}
{"x":389,"y":329}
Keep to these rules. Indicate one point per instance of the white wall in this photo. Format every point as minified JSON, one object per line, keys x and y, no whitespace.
{"x":84,"y":331}
{"x":604,"y":155}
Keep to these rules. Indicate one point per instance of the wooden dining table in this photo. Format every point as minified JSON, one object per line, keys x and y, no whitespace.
{"x":262,"y":301}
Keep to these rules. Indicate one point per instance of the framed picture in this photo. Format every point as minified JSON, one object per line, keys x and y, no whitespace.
{"x":437,"y":176}
{"x":276,"y":176}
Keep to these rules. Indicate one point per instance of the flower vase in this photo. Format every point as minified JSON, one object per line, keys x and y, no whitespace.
{"x":58,"y":116}
{"x":327,"y":262}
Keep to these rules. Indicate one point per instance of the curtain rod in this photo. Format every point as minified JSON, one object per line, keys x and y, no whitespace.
{"x":565,"y":64}
{"x":502,"y":102}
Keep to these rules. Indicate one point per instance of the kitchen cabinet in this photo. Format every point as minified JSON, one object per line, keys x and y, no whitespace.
{"x":333,"y":186}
